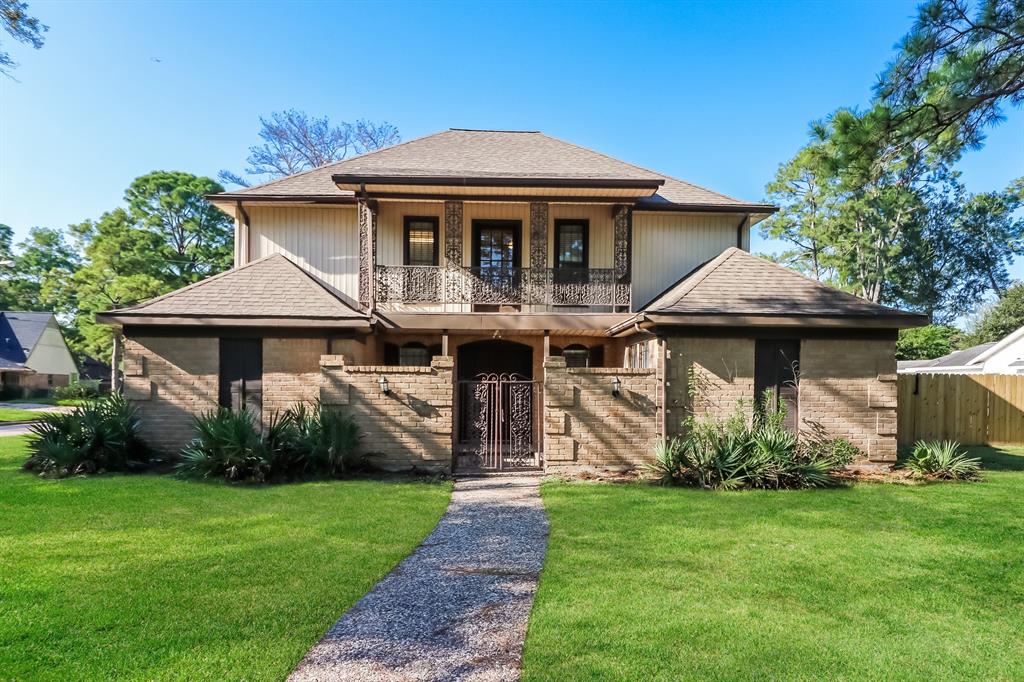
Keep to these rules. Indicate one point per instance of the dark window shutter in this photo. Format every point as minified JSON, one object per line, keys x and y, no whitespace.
{"x":597,"y":356}
{"x":390,"y":354}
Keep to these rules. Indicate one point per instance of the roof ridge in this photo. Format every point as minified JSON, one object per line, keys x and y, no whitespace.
{"x":194,"y":285}
{"x":496,"y":130}
{"x":691,"y":279}
{"x":340,"y":161}
{"x":642,"y":168}
{"x":819,"y":283}
{"x":320,"y":286}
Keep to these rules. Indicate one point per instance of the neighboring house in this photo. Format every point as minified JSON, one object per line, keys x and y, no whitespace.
{"x":1005,"y":356}
{"x":496,"y":299}
{"x":97,"y":371}
{"x":33,"y":353}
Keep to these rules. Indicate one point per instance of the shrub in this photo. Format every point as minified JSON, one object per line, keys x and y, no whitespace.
{"x":304,"y":442}
{"x":734,"y":454}
{"x":76,"y":391}
{"x":943,"y":460}
{"x":229,"y":445}
{"x":9,"y":392}
{"x":97,"y":437}
{"x":329,"y":439}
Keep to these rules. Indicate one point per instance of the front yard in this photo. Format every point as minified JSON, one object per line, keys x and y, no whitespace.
{"x":148,"y":577}
{"x":15,"y":414}
{"x":870,"y":582}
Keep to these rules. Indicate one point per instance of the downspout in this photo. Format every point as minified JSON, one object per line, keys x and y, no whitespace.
{"x":739,"y":231}
{"x":242,"y":248}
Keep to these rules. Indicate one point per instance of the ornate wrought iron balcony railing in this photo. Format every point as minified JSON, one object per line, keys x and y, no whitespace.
{"x":499,"y":286}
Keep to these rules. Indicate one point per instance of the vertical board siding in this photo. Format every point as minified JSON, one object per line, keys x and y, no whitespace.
{"x":323,"y":241}
{"x":975,"y":409}
{"x":666,"y":246}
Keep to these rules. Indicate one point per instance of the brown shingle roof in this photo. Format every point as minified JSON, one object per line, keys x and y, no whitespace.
{"x":271,"y":287}
{"x":489,"y":154}
{"x":739,"y":283}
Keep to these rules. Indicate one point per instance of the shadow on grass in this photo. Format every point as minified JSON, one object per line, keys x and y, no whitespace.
{"x":998,"y":459}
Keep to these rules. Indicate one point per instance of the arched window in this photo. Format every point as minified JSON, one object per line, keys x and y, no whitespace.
{"x":576,"y":355}
{"x":414,"y":354}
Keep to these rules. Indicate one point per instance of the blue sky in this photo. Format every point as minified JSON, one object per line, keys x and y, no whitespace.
{"x":715,"y":93}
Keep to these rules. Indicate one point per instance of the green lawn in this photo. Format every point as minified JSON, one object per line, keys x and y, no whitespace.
{"x":13,"y":414}
{"x":148,"y":577}
{"x":870,"y":582}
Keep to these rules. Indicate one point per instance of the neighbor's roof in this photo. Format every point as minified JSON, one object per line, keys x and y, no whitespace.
{"x":16,"y":367}
{"x":20,"y":331}
{"x":958,"y":358}
{"x":463,"y":155}
{"x":268,"y":290}
{"x":737,"y":283}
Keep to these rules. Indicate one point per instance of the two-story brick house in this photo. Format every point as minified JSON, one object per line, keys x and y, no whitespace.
{"x":501,"y":299}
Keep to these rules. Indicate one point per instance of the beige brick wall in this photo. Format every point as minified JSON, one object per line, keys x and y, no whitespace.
{"x":170,"y":380}
{"x":173,"y":379}
{"x":847,"y":386}
{"x":409,"y":428}
{"x":291,"y":372}
{"x":710,"y":376}
{"x":848,"y":390}
{"x":586,"y":427}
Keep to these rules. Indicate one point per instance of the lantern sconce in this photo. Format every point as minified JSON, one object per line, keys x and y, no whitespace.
{"x":616,"y":387}
{"x":383,"y":383}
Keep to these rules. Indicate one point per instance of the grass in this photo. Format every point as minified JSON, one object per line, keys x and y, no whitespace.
{"x":868,"y":582}
{"x":49,"y":400}
{"x":148,"y":577}
{"x":13,"y":414}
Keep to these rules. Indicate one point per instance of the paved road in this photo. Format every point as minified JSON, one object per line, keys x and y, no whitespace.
{"x":13,"y":429}
{"x":456,"y":608}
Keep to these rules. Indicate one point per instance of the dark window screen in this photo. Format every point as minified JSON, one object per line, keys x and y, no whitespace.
{"x":241,"y":375}
{"x":776,"y":368}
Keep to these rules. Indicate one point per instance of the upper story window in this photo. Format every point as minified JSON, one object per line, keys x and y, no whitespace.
{"x":421,"y":240}
{"x":572,"y":243}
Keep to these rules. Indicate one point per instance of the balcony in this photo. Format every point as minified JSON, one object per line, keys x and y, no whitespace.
{"x":544,"y":287}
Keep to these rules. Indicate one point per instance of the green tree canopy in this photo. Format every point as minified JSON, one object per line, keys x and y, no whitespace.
{"x":15,"y":19}
{"x":1005,"y":316}
{"x":926,"y":343}
{"x":166,"y":237}
{"x":954,"y":72}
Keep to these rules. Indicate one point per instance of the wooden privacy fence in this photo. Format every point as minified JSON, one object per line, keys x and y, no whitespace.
{"x":974,"y":409}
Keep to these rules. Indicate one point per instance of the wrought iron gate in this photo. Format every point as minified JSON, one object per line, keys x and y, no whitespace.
{"x":496,"y":423}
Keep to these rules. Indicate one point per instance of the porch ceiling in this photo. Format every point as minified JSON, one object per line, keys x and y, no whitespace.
{"x":590,"y":324}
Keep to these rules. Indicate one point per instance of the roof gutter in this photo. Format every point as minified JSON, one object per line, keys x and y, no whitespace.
{"x":634,"y":325}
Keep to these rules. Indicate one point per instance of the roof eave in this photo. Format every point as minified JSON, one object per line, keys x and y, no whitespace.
{"x":502,"y":181}
{"x":193,"y":320}
{"x":874,"y":321}
{"x":673,"y":207}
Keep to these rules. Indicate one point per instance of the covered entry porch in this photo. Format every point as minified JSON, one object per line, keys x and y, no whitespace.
{"x":496,"y":401}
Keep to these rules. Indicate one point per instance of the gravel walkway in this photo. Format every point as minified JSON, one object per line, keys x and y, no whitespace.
{"x":456,"y":608}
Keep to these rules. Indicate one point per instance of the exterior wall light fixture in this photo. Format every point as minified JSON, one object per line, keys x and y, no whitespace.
{"x":383,"y":383}
{"x":616,"y":387}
